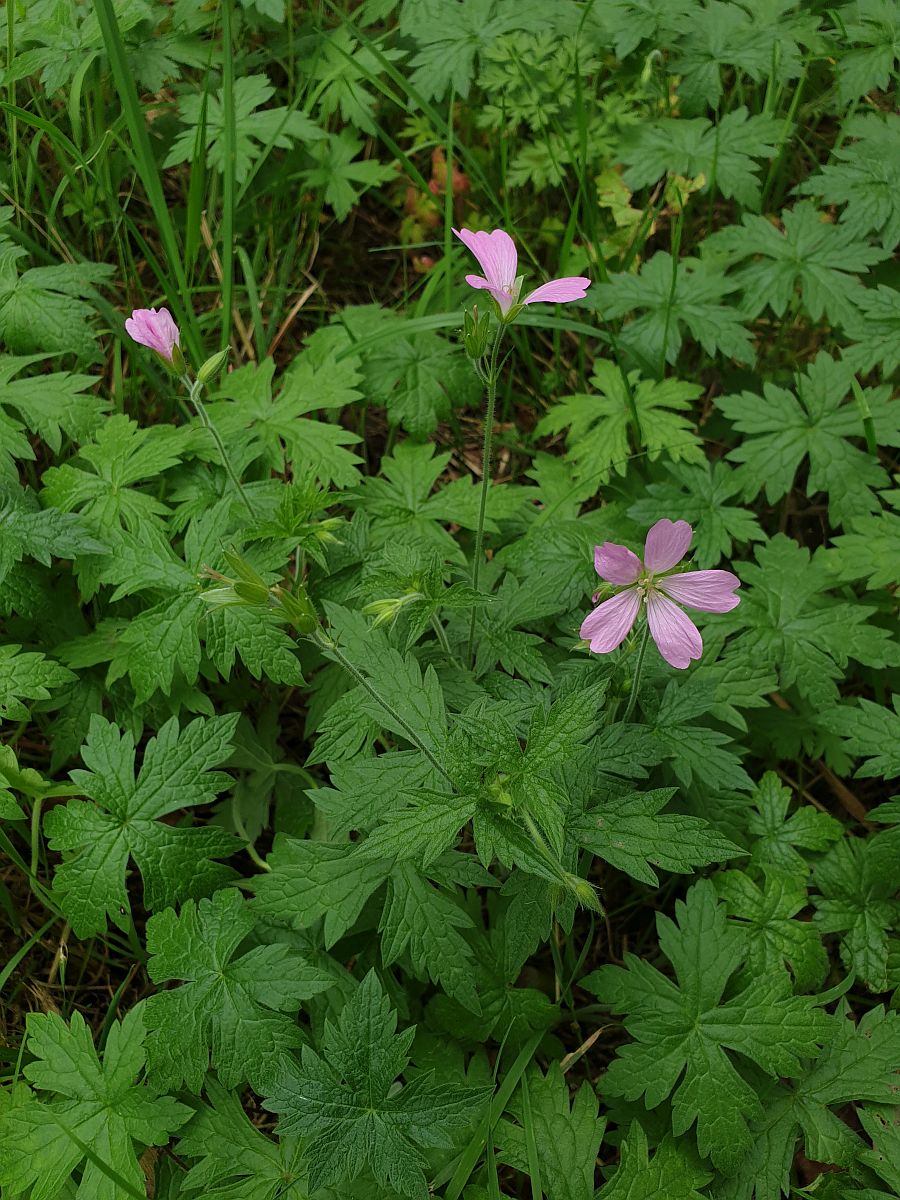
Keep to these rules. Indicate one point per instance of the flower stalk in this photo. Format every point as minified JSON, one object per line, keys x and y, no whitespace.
{"x":491,"y":376}
{"x":195,"y":387}
{"x":638,"y":670}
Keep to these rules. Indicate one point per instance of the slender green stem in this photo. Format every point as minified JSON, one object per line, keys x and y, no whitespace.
{"x":865,"y":413}
{"x":35,"y":834}
{"x":194,"y":388}
{"x":229,"y":144}
{"x":638,"y":668}
{"x":328,"y":644}
{"x":491,"y":384}
{"x":11,"y":122}
{"x":241,"y":830}
{"x":673,"y":286}
{"x":442,"y":636}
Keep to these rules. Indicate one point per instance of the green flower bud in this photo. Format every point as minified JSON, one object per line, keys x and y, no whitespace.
{"x":212,"y":366}
{"x":390,"y":607}
{"x":476,"y":332}
{"x":498,"y":792}
{"x":583,"y":891}
{"x":298,"y":608}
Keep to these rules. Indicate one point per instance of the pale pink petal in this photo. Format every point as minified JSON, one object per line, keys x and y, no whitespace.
{"x":666,"y":544}
{"x":503,"y":298}
{"x":153,"y":329}
{"x":610,"y":622}
{"x":616,"y":563}
{"x":675,"y":634}
{"x":710,"y":591}
{"x":496,"y":254}
{"x":559,"y":291}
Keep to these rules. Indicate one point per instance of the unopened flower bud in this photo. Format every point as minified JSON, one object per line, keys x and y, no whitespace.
{"x":297,"y":607}
{"x":390,"y":607}
{"x":476,"y":332}
{"x":322,"y":530}
{"x":156,"y":330}
{"x":212,"y":366}
{"x":499,"y":793}
{"x":583,"y":891}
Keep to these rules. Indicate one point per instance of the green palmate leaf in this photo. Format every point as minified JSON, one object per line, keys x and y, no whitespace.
{"x":859,"y":885}
{"x":161,"y":647}
{"x":48,"y":309}
{"x":236,"y":1161}
{"x":51,"y":405}
{"x":421,"y":832}
{"x":343,"y":69}
{"x":869,"y":550}
{"x":98,"y":1121}
{"x":672,"y":1174}
{"x":420,"y":380}
{"x":566,"y":1133}
{"x":344,"y":1100}
{"x":682,"y":1031}
{"x":365,"y":791}
{"x":102,"y":487}
{"x":311,"y":880}
{"x":699,"y":494}
{"x":872,"y":732}
{"x":278,"y":425}
{"x":764,"y":914}
{"x":715,"y":33}
{"x":884,"y":1157}
{"x":874,"y":327}
{"x":449,"y":37}
{"x":600,"y":426}
{"x":342,"y":176}
{"x":423,"y":924}
{"x":524,"y":787}
{"x":629,"y":832}
{"x":807,"y":636}
{"x":779,"y":838}
{"x":500,"y":638}
{"x":558,"y":542}
{"x":120,"y":820}
{"x":808,"y":255}
{"x":409,"y":587}
{"x":820,"y":422}
{"x":403,"y":506}
{"x":723,"y":153}
{"x":28,"y":676}
{"x":255,"y":130}
{"x":29,"y":531}
{"x":230,"y":1011}
{"x":872,"y":29}
{"x":674,"y":298}
{"x":692,"y":750}
{"x":865,"y":177}
{"x":859,"y":1063}
{"x":738,"y":683}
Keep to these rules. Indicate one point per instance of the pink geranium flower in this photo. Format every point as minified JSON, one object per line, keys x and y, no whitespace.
{"x":154,"y":329}
{"x":651,"y":585}
{"x":498,"y":258}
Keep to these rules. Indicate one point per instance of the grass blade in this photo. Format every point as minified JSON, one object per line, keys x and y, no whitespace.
{"x":229,"y":147}
{"x":148,"y":172}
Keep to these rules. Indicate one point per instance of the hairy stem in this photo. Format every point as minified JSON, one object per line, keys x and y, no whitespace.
{"x":194,"y":389}
{"x":638,"y":668}
{"x":328,"y":644}
{"x":491,"y":384}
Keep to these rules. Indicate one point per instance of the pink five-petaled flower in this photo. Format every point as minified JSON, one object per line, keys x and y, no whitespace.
{"x":649,"y":584}
{"x":154,"y":329}
{"x":497,"y":257}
